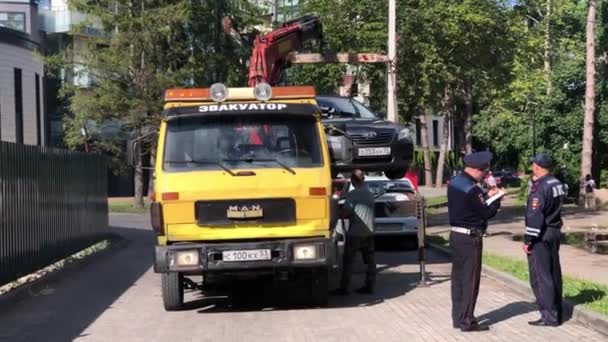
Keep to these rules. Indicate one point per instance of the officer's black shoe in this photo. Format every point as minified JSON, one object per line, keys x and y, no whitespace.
{"x":365,"y":290}
{"x":475,"y":327}
{"x":541,"y":323}
{"x":339,"y":292}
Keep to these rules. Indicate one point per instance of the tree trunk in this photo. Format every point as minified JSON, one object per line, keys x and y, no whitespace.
{"x":424,"y":136}
{"x":547,"y":54}
{"x":447,"y":117}
{"x":468,"y":120}
{"x":589,"y":99}
{"x":138,"y":197}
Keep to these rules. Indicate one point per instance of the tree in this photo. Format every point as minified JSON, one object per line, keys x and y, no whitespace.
{"x":586,"y":158}
{"x":428,"y":167}
{"x":145,"y":48}
{"x":448,"y":108}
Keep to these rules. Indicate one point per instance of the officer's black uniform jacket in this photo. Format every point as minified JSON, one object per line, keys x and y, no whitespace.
{"x":543,"y":209}
{"x":466,"y":204}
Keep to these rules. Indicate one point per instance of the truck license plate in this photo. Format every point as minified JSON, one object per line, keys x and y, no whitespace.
{"x":247,"y":255}
{"x":374,"y":151}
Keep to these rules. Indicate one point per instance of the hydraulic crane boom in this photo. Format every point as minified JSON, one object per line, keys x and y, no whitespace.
{"x":271,"y":51}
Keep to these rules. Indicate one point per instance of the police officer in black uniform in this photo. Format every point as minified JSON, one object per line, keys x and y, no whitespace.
{"x":469,"y":210}
{"x":542,"y":240}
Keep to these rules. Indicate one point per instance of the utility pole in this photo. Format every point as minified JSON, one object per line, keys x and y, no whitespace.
{"x":391,"y":103}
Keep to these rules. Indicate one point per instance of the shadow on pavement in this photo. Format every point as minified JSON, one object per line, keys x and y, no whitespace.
{"x":507,"y":312}
{"x":265,"y":296}
{"x":79,"y":294}
{"x":584,"y":297}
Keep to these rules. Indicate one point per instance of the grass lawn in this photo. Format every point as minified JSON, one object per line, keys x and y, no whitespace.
{"x":432,"y":201}
{"x":125,"y":205}
{"x":591,"y":295}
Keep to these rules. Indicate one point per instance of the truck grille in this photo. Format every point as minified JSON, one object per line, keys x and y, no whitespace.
{"x":396,"y":209}
{"x":231,"y":212}
{"x":381,"y":138}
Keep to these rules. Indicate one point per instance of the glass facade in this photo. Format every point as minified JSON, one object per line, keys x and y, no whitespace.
{"x":13,"y":20}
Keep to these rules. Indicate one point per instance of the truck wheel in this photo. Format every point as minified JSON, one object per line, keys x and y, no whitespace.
{"x":173,"y":291}
{"x":320,"y":287}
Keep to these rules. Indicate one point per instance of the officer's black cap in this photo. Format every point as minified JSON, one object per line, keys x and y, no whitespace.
{"x":478,"y":160}
{"x":543,"y":160}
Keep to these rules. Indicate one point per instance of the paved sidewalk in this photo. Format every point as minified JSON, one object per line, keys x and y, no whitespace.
{"x":575,"y":262}
{"x":118,"y":298}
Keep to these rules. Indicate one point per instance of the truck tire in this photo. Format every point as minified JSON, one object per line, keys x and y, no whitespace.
{"x":320,"y":287}
{"x":173,"y":291}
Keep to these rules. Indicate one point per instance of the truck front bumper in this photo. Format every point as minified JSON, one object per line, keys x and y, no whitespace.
{"x":209,"y":256}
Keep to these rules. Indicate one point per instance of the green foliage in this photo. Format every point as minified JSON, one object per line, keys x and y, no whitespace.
{"x":524,"y":188}
{"x":145,"y":48}
{"x":592,"y":295}
{"x":524,"y":107}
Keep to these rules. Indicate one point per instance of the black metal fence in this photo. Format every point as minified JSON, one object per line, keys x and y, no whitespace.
{"x":53,"y":203}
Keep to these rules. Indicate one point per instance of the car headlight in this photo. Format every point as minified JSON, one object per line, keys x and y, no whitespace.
{"x":335,"y":143}
{"x":404,"y":134}
{"x":184,"y":258}
{"x":308,"y":251}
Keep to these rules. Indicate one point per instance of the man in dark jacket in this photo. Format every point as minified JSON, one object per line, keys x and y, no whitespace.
{"x":469,"y":210}
{"x":542,"y":240}
{"x":359,"y":209}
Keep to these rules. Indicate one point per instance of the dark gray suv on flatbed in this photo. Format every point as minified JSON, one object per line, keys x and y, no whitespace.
{"x":360,"y":139}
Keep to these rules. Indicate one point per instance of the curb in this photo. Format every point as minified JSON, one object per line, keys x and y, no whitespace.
{"x":578,"y":313}
{"x":13,"y":297}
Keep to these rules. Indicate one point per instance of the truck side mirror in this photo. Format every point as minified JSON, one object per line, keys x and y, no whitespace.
{"x":381,"y":115}
{"x":132,"y":146}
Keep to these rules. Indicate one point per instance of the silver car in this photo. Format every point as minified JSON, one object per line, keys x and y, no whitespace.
{"x":395,"y":207}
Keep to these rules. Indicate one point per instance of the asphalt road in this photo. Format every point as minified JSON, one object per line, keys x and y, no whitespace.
{"x":116,"y":296}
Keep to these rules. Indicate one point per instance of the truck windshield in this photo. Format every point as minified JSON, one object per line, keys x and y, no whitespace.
{"x":241,"y":142}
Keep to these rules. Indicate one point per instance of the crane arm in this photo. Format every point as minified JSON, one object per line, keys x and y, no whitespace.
{"x":270,"y":52}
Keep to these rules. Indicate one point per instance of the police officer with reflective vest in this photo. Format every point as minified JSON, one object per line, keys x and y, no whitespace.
{"x":542,"y":240}
{"x":469,"y":210}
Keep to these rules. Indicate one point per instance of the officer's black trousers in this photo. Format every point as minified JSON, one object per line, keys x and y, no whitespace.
{"x":466,"y":269}
{"x":546,"y":275}
{"x":365,"y":245}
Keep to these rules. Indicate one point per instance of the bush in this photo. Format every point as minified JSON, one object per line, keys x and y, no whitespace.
{"x":523,"y":188}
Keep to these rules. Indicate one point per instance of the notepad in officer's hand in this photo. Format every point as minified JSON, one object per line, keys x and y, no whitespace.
{"x":495,"y":197}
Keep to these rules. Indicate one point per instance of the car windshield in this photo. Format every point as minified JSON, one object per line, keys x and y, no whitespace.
{"x":380,"y":187}
{"x":241,"y":142}
{"x":346,"y":107}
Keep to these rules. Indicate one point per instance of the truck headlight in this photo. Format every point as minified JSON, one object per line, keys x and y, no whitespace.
{"x":308,"y":252}
{"x":404,"y":134}
{"x":184,"y":258}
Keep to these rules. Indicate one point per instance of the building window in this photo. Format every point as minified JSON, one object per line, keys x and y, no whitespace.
{"x":418,"y":135}
{"x":13,"y":20}
{"x":18,"y":106}
{"x":38,"y":118}
{"x":436,"y":133}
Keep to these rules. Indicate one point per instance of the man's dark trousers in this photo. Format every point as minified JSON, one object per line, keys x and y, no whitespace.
{"x":466,"y":270}
{"x":364,"y":244}
{"x":546,"y":275}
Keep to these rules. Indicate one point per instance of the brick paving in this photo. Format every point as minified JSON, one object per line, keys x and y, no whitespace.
{"x":117,"y":298}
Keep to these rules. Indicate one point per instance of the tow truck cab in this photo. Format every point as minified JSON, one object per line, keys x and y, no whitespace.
{"x":242,"y":186}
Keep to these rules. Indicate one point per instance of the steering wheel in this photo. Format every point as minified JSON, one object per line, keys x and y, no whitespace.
{"x":293,"y":150}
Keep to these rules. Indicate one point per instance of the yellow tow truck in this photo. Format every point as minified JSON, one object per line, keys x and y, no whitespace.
{"x":243,"y":186}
